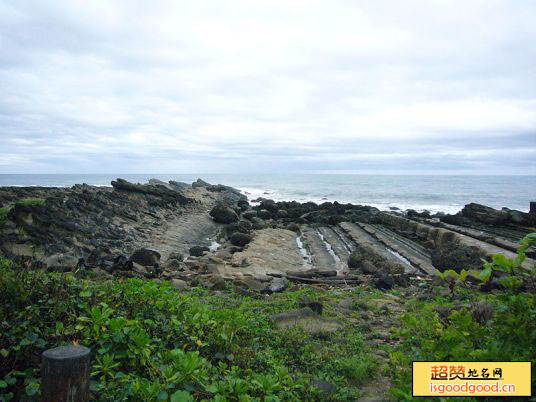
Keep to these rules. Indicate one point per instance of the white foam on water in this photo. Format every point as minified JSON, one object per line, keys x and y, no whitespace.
{"x":328,"y":247}
{"x":214,"y":246}
{"x":307,"y":258}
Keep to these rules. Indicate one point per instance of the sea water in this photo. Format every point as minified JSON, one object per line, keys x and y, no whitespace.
{"x":423,"y":192}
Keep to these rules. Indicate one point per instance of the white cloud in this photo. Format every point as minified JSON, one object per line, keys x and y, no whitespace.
{"x":173,"y":84}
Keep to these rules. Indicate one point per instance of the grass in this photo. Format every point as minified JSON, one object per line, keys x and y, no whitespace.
{"x":31,"y":201}
{"x":152,"y":342}
{"x":24,"y":201}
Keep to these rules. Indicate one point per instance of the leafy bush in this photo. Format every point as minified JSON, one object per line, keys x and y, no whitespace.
{"x":149,"y":342}
{"x":508,"y":335}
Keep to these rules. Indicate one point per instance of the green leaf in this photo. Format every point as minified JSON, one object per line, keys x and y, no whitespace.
{"x":86,"y":293}
{"x":181,"y":396}
{"x":3,"y":384}
{"x":485,"y":274}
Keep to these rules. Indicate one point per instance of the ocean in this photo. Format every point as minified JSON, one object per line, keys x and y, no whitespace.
{"x":424,"y":192}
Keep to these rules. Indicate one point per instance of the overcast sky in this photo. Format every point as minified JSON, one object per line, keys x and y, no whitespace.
{"x":268,"y":86}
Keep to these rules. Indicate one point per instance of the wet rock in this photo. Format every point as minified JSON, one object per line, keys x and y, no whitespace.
{"x":146,"y":257}
{"x":223,"y":214}
{"x":457,"y":257}
{"x":198,"y":251}
{"x":240,"y":239}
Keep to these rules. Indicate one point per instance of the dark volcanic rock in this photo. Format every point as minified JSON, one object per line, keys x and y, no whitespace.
{"x":157,"y":190}
{"x":355,"y":259}
{"x":146,"y":257}
{"x":223,"y":214}
{"x":240,"y":239}
{"x":242,"y":226}
{"x":198,"y":251}
{"x":457,"y":257}
{"x":485,"y":214}
{"x":384,"y":281}
{"x":249,"y":214}
{"x":264,"y":214}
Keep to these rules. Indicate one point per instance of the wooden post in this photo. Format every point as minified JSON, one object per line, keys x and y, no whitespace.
{"x":65,"y":374}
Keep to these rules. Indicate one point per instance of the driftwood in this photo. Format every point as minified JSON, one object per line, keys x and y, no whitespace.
{"x":312,"y":273}
{"x":324,"y":281}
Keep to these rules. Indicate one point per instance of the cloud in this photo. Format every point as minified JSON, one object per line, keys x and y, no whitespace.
{"x":261,"y":86}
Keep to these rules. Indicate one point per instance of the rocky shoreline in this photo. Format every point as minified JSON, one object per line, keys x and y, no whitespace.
{"x":201,"y":234}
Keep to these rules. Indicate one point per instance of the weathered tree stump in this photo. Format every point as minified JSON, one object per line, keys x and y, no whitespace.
{"x":65,"y":374}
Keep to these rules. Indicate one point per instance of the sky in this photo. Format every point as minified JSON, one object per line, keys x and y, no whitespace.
{"x":275,"y":86}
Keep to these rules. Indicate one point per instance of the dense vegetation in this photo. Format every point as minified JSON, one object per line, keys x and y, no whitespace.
{"x":151,"y":342}
{"x":469,"y":325}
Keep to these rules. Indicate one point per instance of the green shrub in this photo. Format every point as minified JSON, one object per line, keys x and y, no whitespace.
{"x":151,"y":342}
{"x":509,"y":335}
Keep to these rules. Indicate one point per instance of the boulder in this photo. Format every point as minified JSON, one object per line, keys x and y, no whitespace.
{"x":200,"y":183}
{"x":355,"y":259}
{"x":457,"y":257}
{"x":242,"y":226}
{"x":278,"y":285}
{"x":240,"y":239}
{"x":268,"y":205}
{"x":314,"y":305}
{"x":264,"y":214}
{"x":368,"y":268}
{"x":198,"y":251}
{"x":223,"y":214}
{"x":384,"y":281}
{"x":243,"y":204}
{"x":258,"y":223}
{"x":146,"y":257}
{"x":176,"y":256}
{"x":485,"y":214}
{"x":179,"y":284}
{"x":249,"y":214}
